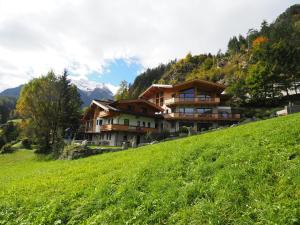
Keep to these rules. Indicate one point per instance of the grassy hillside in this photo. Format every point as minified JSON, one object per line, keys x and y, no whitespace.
{"x":243,"y":175}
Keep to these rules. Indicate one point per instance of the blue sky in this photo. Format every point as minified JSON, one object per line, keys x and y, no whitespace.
{"x":117,"y":70}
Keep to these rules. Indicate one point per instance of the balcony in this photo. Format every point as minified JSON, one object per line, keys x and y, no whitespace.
{"x":127,"y":128}
{"x":192,"y":101}
{"x":202,"y":116}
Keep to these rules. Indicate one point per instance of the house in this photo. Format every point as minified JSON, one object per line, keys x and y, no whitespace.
{"x":111,"y":123}
{"x":197,"y":104}
{"x":289,"y":109}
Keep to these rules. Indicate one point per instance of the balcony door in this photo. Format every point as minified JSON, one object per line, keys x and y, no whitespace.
{"x":98,"y":124}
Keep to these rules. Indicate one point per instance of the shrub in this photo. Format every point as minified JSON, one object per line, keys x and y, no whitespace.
{"x":26,"y":143}
{"x":184,"y":130}
{"x":2,"y":140}
{"x":149,"y":136}
{"x":7,"y":148}
{"x":75,"y":151}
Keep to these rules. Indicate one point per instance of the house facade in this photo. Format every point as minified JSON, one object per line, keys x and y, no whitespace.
{"x":111,"y":123}
{"x":197,"y":104}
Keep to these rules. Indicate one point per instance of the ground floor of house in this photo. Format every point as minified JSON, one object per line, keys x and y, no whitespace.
{"x":117,"y":138}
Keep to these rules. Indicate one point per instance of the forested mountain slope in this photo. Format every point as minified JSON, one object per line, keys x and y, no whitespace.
{"x":260,"y":67}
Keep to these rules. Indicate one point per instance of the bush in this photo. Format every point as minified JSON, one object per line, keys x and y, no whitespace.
{"x":75,"y":151}
{"x":184,"y":130}
{"x":26,"y":143}
{"x":7,"y":148}
{"x":149,"y":136}
{"x":2,"y":141}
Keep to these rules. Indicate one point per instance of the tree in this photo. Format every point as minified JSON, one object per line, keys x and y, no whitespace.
{"x":50,"y":104}
{"x":7,"y":105}
{"x":123,"y":91}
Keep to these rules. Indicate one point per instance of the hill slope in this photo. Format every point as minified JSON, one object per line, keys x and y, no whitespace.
{"x":242,"y":175}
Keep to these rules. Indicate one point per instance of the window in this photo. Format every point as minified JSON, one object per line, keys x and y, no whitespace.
{"x":181,"y":110}
{"x":188,"y":93}
{"x":204,"y":110}
{"x":157,"y":99}
{"x":125,"y":138}
{"x":144,"y":110}
{"x":138,"y":123}
{"x":156,"y":125}
{"x":130,"y":108}
{"x":161,"y":98}
{"x":224,"y":114}
{"x":189,"y":110}
{"x":173,"y":124}
{"x":144,"y":124}
{"x":126,"y":122}
{"x":149,"y":124}
{"x":203,"y":95}
{"x":100,"y":122}
{"x":162,"y":126}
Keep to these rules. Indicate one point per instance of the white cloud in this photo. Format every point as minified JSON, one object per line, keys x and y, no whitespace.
{"x":82,"y":35}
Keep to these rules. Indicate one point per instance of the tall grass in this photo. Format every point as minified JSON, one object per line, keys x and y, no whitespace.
{"x":244,"y":175}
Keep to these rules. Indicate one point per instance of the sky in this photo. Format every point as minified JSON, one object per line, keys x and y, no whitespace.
{"x":112,"y":40}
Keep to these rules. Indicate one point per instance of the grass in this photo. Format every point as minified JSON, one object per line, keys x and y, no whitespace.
{"x":106,"y":147}
{"x":243,"y":175}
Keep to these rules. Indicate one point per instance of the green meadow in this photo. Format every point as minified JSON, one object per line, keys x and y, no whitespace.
{"x":248,"y":174}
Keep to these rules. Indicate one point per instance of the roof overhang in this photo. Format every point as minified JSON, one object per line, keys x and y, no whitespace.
{"x":140,"y":100}
{"x":196,"y":82}
{"x":153,"y":89}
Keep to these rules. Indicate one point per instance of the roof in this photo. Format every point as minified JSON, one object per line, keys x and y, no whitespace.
{"x":218,"y":87}
{"x":113,"y":106}
{"x":155,"y":87}
{"x":104,"y":104}
{"x":139,"y":101}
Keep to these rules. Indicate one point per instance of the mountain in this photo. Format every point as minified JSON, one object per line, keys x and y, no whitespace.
{"x":88,"y":91}
{"x":12,"y":92}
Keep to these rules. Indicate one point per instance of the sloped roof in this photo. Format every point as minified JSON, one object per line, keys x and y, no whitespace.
{"x":155,"y":87}
{"x":218,"y":87}
{"x":140,"y":101}
{"x":104,"y":105}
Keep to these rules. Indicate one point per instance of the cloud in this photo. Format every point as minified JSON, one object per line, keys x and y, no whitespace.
{"x":84,"y":35}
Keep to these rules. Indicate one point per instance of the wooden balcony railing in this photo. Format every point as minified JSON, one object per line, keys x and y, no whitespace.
{"x":197,"y":100}
{"x":202,"y":116}
{"x":120,"y":127}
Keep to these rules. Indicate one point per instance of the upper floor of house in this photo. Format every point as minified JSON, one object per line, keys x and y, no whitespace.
{"x":193,"y":92}
{"x":191,"y":100}
{"x":124,"y":115}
